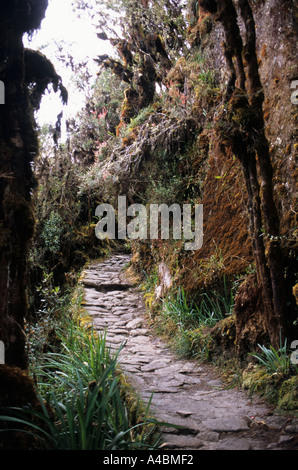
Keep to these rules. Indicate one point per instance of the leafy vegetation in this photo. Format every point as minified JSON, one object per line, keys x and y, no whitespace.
{"x":274,"y":361}
{"x":83,"y":403}
{"x":212,"y":308}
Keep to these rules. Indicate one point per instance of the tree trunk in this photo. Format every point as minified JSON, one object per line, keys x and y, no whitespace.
{"x":250,"y":145}
{"x":18,"y":145}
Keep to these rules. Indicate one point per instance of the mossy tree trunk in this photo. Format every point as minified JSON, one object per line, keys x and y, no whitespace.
{"x":274,"y":275}
{"x":244,"y":122}
{"x":18,"y":146}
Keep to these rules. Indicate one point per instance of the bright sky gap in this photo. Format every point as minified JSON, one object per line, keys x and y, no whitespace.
{"x":78,"y":37}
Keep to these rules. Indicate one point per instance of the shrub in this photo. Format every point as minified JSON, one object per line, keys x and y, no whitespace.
{"x":51,"y":234}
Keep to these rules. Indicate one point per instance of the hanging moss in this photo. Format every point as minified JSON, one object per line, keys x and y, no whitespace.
{"x":39,"y":73}
{"x":129,"y":105}
{"x":24,"y":16}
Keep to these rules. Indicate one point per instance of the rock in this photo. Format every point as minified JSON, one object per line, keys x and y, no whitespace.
{"x":233,"y":444}
{"x":276,"y":422}
{"x":173,"y":441}
{"x":154,"y":365}
{"x":184,"y":414}
{"x":209,"y":436}
{"x":285,"y":439}
{"x":136,"y":323}
{"x":292,"y":429}
{"x":230,"y":424}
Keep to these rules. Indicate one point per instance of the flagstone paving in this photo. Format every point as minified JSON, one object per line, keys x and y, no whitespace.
{"x":185,"y":393}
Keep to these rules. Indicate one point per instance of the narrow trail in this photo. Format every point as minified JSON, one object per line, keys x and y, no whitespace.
{"x":184,"y":392}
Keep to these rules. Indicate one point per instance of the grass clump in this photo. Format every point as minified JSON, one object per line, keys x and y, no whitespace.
{"x":274,"y":361}
{"x":211,"y":308}
{"x":82,"y":401}
{"x":274,"y":377}
{"x":188,"y":325}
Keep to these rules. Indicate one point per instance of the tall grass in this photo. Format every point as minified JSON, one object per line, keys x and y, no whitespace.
{"x":82,"y":404}
{"x":82,"y":352}
{"x":274,"y":361}
{"x":211,"y":308}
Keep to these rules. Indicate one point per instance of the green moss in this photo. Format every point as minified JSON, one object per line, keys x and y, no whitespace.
{"x":276,"y":388}
{"x":199,"y":342}
{"x":288,"y":395}
{"x":258,"y":381}
{"x":224,"y":334}
{"x":255,"y":379}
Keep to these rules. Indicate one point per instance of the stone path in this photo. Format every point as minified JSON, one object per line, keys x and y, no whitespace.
{"x":185,"y":392}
